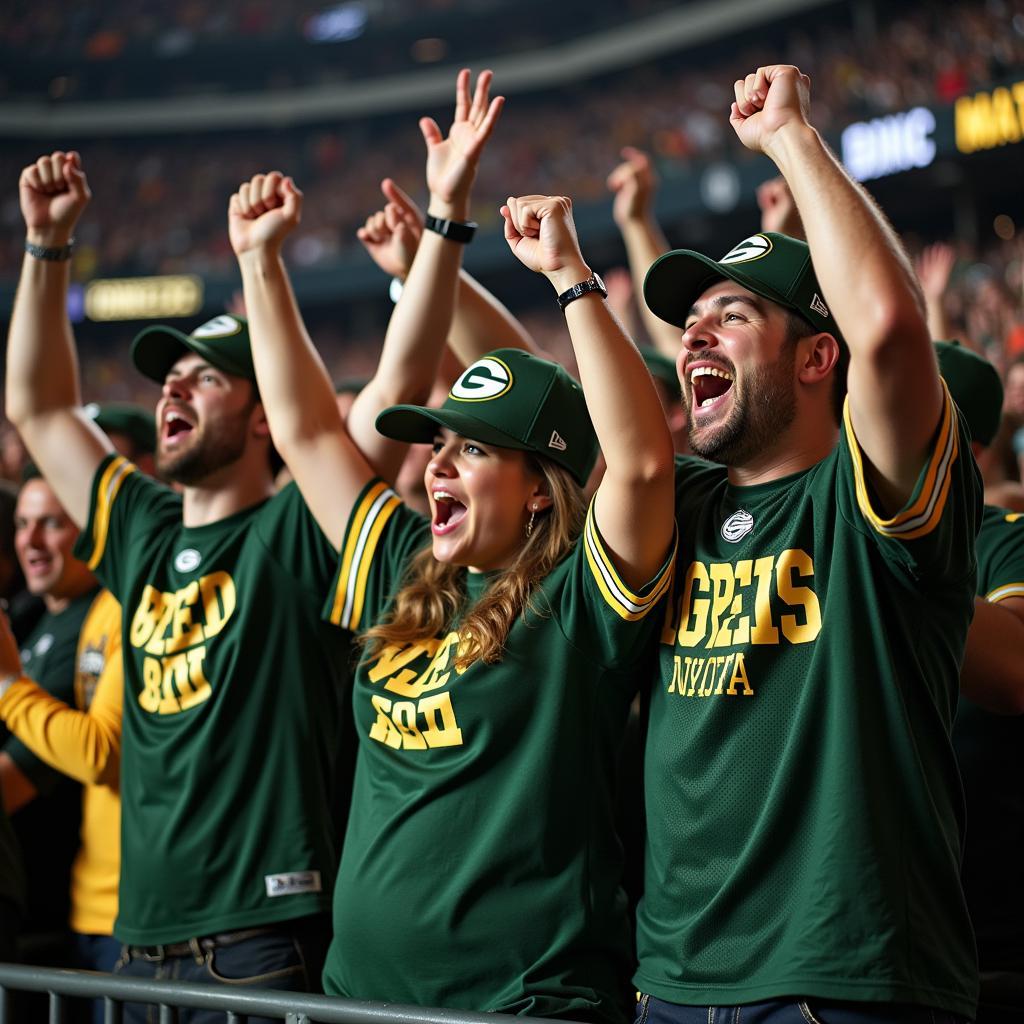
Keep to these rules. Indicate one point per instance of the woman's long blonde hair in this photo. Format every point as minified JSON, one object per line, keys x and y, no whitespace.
{"x":433,"y":592}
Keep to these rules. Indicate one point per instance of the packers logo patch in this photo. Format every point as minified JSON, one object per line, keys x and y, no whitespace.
{"x":737,"y":526}
{"x":486,"y":379}
{"x":222,"y":326}
{"x":187,"y":559}
{"x":752,"y":248}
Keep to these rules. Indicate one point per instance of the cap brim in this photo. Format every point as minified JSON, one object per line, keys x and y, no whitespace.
{"x":418,"y":425}
{"x":156,"y":349}
{"x":677,"y":279}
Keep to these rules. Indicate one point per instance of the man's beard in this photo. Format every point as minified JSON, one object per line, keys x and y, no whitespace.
{"x":761,"y":411}
{"x":220,"y":445}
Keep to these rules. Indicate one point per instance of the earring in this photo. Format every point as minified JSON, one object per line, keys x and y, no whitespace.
{"x":529,"y":525}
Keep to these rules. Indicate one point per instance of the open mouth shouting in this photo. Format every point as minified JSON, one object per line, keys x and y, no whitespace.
{"x":175,"y":427}
{"x":448,"y":512}
{"x":709,"y":384}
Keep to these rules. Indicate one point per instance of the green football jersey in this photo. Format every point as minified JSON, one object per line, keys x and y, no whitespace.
{"x":230,"y":710}
{"x":481,"y":868}
{"x":804,"y":812}
{"x":990,"y":751}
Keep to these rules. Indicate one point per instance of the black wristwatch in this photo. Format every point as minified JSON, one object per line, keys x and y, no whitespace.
{"x":592,"y":284}
{"x":453,"y":230}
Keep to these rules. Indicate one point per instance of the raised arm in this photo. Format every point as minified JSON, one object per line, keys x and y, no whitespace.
{"x":895,"y":397}
{"x":635,"y":185}
{"x":934,"y":267}
{"x":42,"y":396}
{"x":634,"y":504}
{"x":480,"y":322}
{"x":331,"y":464}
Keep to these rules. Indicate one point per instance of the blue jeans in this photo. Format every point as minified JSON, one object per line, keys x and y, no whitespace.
{"x":288,"y":957}
{"x":651,"y":1010}
{"x":96,"y":953}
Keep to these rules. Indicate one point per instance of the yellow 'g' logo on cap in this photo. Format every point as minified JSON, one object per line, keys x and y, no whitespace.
{"x":485,"y":379}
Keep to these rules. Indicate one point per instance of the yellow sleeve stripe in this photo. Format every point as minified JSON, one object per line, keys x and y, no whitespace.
{"x":923,"y":516}
{"x":368,"y":521}
{"x":623,"y":601}
{"x":1002,"y":593}
{"x":106,"y":491}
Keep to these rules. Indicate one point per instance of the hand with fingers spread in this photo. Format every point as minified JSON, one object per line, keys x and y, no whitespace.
{"x":934,"y":267}
{"x":53,"y":193}
{"x":452,"y":161}
{"x":634,"y":184}
{"x":767,"y":101}
{"x":392,"y":235}
{"x":263,"y":212}
{"x":541,"y":233}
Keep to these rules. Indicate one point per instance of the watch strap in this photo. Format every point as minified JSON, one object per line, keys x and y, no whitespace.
{"x":453,"y":230}
{"x":577,"y":291}
{"x":56,"y":254}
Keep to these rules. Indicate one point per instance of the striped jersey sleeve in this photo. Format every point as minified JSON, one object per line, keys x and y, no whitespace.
{"x":127,"y":509}
{"x":1001,"y":555}
{"x":610,"y":623}
{"x":935,"y":530}
{"x":368,"y":568}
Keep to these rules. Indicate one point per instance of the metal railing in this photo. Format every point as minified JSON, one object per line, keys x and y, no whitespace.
{"x":238,"y":1005}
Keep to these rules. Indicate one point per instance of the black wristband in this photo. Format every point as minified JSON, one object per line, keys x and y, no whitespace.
{"x":577,"y":291}
{"x":55,"y":255}
{"x":453,"y":230}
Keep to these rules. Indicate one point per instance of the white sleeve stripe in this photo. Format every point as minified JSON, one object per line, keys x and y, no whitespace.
{"x":937,"y":490}
{"x":631,"y":602}
{"x":357,"y":559}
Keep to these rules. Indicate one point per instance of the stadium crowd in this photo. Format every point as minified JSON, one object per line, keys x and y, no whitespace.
{"x":150,"y":224}
{"x":431,"y":622}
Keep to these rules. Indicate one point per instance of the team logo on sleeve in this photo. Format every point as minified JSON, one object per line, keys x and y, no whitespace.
{"x":752,"y":248}
{"x":737,"y":526}
{"x":222,"y":326}
{"x":485,"y":379}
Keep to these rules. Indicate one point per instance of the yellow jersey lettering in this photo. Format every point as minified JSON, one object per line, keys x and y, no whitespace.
{"x":764,"y":631}
{"x":219,"y":598}
{"x":697,"y":580}
{"x":676,"y":686}
{"x":720,"y":634}
{"x":183,"y":633}
{"x":447,"y":733}
{"x":433,"y":678}
{"x":152,"y":679}
{"x":200,"y":688}
{"x":726,"y":661}
{"x":739,"y":675}
{"x":392,"y":661}
{"x":403,"y":714}
{"x":146,"y":616}
{"x":799,"y":563}
{"x":383,"y":729}
{"x":743,"y":571}
{"x":157,"y":645}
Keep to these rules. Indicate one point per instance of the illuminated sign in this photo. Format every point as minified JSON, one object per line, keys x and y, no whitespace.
{"x":989,"y":119}
{"x":888,"y":145}
{"x":144,"y":298}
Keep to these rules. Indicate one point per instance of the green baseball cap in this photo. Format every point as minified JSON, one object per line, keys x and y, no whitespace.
{"x":123,"y":418}
{"x":975,"y":387}
{"x":511,"y":399}
{"x":222,"y":341}
{"x":771,"y":265}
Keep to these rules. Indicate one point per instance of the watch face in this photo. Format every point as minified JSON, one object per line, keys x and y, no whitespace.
{"x":599,"y":281}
